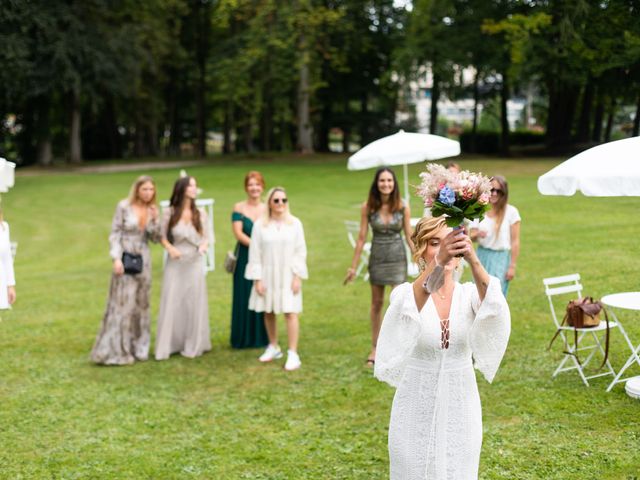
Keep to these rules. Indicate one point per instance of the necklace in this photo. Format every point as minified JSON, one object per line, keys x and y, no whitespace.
{"x":441,"y":295}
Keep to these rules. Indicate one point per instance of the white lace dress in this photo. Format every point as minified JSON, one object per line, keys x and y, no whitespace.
{"x":435,"y":430}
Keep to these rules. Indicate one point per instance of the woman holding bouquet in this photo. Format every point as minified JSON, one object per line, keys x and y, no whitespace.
{"x":388,"y":217}
{"x":433,"y":334}
{"x":498,"y":235}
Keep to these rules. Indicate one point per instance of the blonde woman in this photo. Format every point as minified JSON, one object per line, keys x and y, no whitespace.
{"x":277,"y":265}
{"x":433,"y":334}
{"x":498,"y":235}
{"x":124,"y":336}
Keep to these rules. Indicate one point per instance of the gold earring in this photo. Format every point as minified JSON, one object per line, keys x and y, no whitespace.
{"x":421,"y":263}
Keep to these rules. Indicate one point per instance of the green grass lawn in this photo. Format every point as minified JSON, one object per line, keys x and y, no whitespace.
{"x":225,"y":416}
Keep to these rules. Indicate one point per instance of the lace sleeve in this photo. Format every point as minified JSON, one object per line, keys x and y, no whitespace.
{"x":490,"y":331}
{"x":398,"y":336}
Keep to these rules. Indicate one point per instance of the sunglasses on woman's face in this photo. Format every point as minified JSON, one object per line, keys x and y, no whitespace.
{"x":278,"y":200}
{"x":497,"y":191}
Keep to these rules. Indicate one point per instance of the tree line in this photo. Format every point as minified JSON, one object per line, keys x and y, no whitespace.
{"x":84,"y":79}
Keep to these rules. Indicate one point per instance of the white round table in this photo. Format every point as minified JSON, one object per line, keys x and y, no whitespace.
{"x":627,"y":300}
{"x":624,"y":301}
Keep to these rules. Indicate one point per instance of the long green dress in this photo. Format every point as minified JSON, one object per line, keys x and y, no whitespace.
{"x":247,"y":326}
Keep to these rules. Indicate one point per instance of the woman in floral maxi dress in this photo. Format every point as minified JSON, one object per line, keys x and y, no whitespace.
{"x":125,"y":333}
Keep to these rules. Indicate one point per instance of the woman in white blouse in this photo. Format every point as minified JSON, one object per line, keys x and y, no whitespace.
{"x":498,"y":235}
{"x":277,"y":265}
{"x":433,"y":334}
{"x":7,"y":278}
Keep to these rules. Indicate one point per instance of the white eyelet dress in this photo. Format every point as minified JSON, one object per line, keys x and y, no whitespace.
{"x":435,"y":430}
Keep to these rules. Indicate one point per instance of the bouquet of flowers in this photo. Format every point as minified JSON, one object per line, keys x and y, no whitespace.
{"x":457,"y":195}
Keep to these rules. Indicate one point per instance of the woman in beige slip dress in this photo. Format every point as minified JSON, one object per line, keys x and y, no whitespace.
{"x":183,"y":321}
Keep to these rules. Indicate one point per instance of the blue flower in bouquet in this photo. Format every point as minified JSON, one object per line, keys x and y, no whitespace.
{"x":447,"y":196}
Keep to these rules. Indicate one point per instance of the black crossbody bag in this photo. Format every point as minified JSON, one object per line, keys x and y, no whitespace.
{"x":132,"y":263}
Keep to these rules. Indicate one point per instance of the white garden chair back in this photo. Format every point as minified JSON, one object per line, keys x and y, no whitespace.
{"x":353,"y":230}
{"x":209,"y":258}
{"x":14,"y":249}
{"x":590,"y":340}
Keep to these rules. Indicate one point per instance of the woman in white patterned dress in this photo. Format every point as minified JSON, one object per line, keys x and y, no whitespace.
{"x":277,"y":265}
{"x":433,"y":333}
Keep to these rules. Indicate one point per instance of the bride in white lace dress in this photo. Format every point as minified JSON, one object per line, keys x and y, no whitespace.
{"x":433,"y":333}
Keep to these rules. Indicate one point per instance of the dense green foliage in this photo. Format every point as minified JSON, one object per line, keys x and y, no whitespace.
{"x":107,"y":79}
{"x":224,"y":416}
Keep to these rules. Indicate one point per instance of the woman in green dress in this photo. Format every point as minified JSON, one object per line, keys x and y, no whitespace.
{"x":247,"y":326}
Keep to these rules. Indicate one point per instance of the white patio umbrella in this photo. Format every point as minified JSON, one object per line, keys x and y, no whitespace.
{"x":7,"y":175}
{"x":608,"y":170}
{"x":403,"y":148}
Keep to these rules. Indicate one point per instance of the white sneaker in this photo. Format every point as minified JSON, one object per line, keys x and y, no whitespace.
{"x":293,"y":361}
{"x":271,"y":353}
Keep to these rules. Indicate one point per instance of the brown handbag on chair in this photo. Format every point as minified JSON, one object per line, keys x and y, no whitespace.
{"x":583,"y":313}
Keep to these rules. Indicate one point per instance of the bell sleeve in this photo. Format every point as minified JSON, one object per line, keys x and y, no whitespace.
{"x":299,"y":260}
{"x":489,"y":334}
{"x":117,"y":227}
{"x":254,"y":265}
{"x":398,"y":336}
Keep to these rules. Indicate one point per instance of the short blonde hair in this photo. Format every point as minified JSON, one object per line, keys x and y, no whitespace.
{"x":426,"y":229}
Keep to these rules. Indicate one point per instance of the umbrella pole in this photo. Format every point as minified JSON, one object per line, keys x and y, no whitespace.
{"x":405,"y":171}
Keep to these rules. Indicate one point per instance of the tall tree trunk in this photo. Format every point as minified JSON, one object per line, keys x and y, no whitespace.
{"x":610,"y":116}
{"x":562,"y":105}
{"x":325,"y":126}
{"x":346,"y":128}
{"x":598,"y":117}
{"x":203,"y":25}
{"x":305,"y":130}
{"x":364,"y":119}
{"x":152,"y":136}
{"x":44,"y":155}
{"x":75,"y":142}
{"x":173,"y":107}
{"x":584,"y":121}
{"x":435,"y":98}
{"x":636,"y":120}
{"x":476,"y":97}
{"x":266,"y":123}
{"x":227,"y":146}
{"x":504,"y":115}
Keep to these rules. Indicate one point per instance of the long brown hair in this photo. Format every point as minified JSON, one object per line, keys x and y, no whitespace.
{"x":177,"y":204}
{"x":500,"y":207}
{"x":133,"y":193}
{"x":374,"y":202}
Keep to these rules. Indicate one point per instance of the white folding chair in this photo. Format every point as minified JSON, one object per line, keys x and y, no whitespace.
{"x":209,"y":259}
{"x":14,"y":249}
{"x":569,"y":286}
{"x":353,"y":230}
